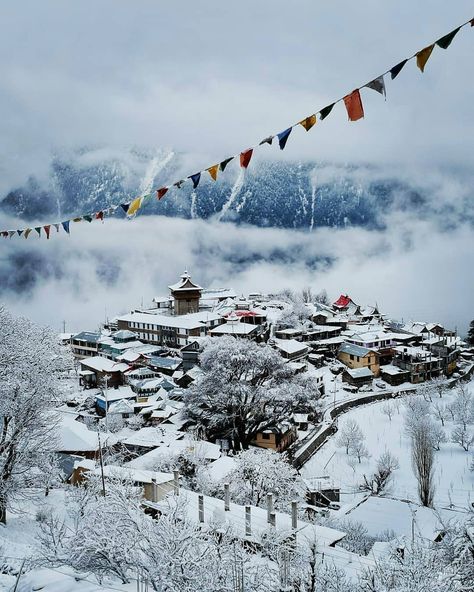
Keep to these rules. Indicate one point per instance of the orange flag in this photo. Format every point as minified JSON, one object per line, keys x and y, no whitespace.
{"x":213,"y":171}
{"x":423,"y":56}
{"x":308,"y":122}
{"x":353,"y":105}
{"x":245,"y":158}
{"x":27,"y":232}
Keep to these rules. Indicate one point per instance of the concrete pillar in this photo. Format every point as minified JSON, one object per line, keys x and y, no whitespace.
{"x":154,"y":493}
{"x":226,"y":497}
{"x":294,"y":515}
{"x":248,"y":522}
{"x":176,"y":482}
{"x":201,"y":508}
{"x":272,"y":520}
{"x":269,"y":506}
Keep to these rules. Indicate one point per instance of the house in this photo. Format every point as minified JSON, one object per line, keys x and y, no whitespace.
{"x":99,"y":371}
{"x":358,"y":376}
{"x":234,"y":327}
{"x":190,"y":354}
{"x":75,"y":439}
{"x":356,"y":356}
{"x":290,"y":349}
{"x":185,"y":295}
{"x":375,"y":339}
{"x":85,"y":344}
{"x":419,"y":363}
{"x":394,"y":375}
{"x":111,"y":396}
{"x":277,"y":437}
{"x":446,"y":349}
{"x":156,"y":485}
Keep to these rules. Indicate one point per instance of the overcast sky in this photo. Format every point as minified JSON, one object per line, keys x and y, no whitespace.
{"x":213,"y":78}
{"x":210,"y":79}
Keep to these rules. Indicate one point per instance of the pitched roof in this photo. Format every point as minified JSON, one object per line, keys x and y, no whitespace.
{"x":184,"y":284}
{"x":355,"y":350}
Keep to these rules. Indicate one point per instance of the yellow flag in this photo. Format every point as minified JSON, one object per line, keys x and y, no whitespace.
{"x":134,"y":206}
{"x":27,"y":232}
{"x":423,"y":56}
{"x":308,"y":122}
{"x":213,"y":171}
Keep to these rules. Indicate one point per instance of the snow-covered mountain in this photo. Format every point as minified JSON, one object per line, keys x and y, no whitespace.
{"x":270,"y":193}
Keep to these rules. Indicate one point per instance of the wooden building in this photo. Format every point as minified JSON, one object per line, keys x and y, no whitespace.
{"x":277,"y":438}
{"x":355,"y":356}
{"x":186,"y":295}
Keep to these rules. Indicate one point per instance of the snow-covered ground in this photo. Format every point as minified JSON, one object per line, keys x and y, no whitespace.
{"x":453,"y":478}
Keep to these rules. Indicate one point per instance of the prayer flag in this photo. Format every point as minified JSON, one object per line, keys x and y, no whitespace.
{"x":77,"y":219}
{"x":445,"y":41}
{"x":125,"y":207}
{"x":325,"y":111}
{"x":46,"y":230}
{"x":377,"y":84}
{"x":353,"y":104}
{"x":65,"y":225}
{"x":245,"y":158}
{"x":423,"y":56}
{"x":11,"y":233}
{"x":134,"y":206}
{"x":225,"y":162}
{"x":99,"y":215}
{"x":472,"y":22}
{"x":38,"y":230}
{"x":213,"y":170}
{"x":27,"y":232}
{"x":283,"y":137}
{"x":268,"y":140}
{"x":395,"y":71}
{"x":87,"y":217}
{"x":179,"y":184}
{"x":308,"y":122}
{"x":161,"y":192}
{"x":195,"y":179}
{"x":20,"y":232}
{"x":57,"y":227}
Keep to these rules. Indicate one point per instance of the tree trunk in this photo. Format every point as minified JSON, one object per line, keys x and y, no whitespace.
{"x":3,"y":510}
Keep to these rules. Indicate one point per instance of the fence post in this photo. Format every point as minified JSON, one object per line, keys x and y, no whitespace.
{"x":201,"y":507}
{"x":269,"y":506}
{"x":226,"y":497}
{"x":248,"y":523}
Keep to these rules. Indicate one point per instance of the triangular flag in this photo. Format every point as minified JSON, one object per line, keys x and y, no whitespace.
{"x":283,"y":137}
{"x":213,"y":170}
{"x":377,"y":84}
{"x":472,"y":22}
{"x":47,"y":230}
{"x":308,"y":122}
{"x":225,"y":162}
{"x":27,"y":232}
{"x":11,"y":233}
{"x":445,"y":41}
{"x":87,"y":217}
{"x":77,"y":219}
{"x":395,"y":71}
{"x":57,"y":227}
{"x":195,"y":179}
{"x":179,"y":184}
{"x":19,"y":232}
{"x":65,"y":225}
{"x":125,"y":207}
{"x":325,"y":111}
{"x":134,"y":206}
{"x":268,"y":140}
{"x":161,"y":192}
{"x":99,"y":215}
{"x":38,"y":230}
{"x":353,"y":104}
{"x":423,"y":56}
{"x":245,"y":158}
{"x":5,"y":234}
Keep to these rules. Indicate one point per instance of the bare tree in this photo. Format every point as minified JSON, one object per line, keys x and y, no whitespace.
{"x":359,"y":450}
{"x":440,"y":412}
{"x":462,"y":435}
{"x":438,"y":436}
{"x":387,"y":463}
{"x":423,"y":461}
{"x":349,"y":435}
{"x":387,"y":410}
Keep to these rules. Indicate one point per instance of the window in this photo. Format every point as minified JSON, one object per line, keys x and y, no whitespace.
{"x":351,"y":356}
{"x":266,"y":436}
{"x":358,"y":359}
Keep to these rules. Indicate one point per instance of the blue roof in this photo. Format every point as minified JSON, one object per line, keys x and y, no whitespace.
{"x":87,"y":336}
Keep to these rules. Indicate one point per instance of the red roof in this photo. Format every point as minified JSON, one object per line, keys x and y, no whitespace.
{"x":342,"y":301}
{"x":242,"y":313}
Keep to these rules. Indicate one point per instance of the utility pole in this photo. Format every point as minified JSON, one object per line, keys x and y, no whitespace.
{"x":101,"y":460}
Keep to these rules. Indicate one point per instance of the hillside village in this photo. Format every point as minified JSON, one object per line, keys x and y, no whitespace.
{"x":238,"y":410}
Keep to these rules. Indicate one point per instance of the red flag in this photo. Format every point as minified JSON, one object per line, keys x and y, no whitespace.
{"x":47,"y":229}
{"x":245,"y":158}
{"x":161,"y":192}
{"x":99,"y":215}
{"x":353,"y":105}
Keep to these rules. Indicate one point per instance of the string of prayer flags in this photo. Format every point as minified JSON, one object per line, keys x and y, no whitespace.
{"x":445,"y":42}
{"x":195,"y":179}
{"x":395,"y":71}
{"x":325,"y":111}
{"x":308,"y":122}
{"x":353,"y":103}
{"x":213,"y":170}
{"x":354,"y":108}
{"x":283,"y":137}
{"x":245,"y":157}
{"x":224,"y":163}
{"x":378,"y":84}
{"x":423,"y":56}
{"x":162,"y":192}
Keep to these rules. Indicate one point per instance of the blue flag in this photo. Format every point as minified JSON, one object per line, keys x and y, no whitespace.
{"x":65,"y":225}
{"x":195,"y":179}
{"x":283,"y":137}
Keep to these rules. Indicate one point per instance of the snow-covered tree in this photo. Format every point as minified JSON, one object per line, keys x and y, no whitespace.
{"x":438,"y":436}
{"x":440,"y":412}
{"x":387,"y":463}
{"x":30,"y":361}
{"x":245,"y":388}
{"x":470,"y":334}
{"x":463,"y":435}
{"x":296,"y":314}
{"x":387,"y":409}
{"x":261,"y":471}
{"x":463,"y":406}
{"x":350,"y":435}
{"x":423,"y":460}
{"x":359,"y":450}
